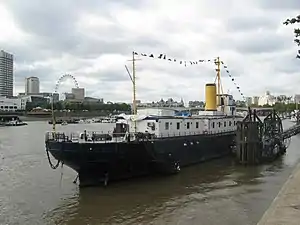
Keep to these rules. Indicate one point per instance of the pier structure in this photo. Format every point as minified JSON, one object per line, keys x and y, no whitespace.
{"x":258,"y":142}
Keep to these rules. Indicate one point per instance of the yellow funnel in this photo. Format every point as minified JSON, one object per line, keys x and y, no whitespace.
{"x":210,"y":97}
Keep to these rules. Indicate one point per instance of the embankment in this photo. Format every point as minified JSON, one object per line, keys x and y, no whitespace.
{"x":59,"y":115}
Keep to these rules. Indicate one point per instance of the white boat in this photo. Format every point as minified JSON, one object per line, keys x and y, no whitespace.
{"x":294,"y":115}
{"x":15,"y":123}
{"x":64,"y":123}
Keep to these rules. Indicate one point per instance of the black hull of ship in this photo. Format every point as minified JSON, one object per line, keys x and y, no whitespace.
{"x":98,"y":163}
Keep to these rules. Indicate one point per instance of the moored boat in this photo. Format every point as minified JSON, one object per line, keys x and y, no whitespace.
{"x":150,"y":141}
{"x":11,"y":120}
{"x":15,"y":123}
{"x":294,"y":115}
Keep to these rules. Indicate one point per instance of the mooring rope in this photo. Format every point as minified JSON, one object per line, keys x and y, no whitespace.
{"x":50,"y":162}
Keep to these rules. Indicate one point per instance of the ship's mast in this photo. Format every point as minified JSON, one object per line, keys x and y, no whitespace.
{"x":134,"y":90}
{"x":133,"y":79}
{"x":53,"y":115}
{"x":218,"y":79}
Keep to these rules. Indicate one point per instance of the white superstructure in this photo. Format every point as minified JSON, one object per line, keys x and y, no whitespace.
{"x":163,"y":122}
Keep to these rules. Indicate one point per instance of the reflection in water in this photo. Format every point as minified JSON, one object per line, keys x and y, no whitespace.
{"x":216,"y":192}
{"x":156,"y":200}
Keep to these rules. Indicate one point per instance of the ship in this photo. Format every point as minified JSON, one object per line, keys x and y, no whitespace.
{"x":150,"y":141}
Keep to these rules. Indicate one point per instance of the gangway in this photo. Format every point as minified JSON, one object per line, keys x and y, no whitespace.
{"x":291,"y":131}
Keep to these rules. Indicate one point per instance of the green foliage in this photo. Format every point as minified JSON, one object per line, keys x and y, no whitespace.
{"x":296,"y":31}
{"x":61,"y":105}
{"x":260,"y":106}
{"x":281,"y":107}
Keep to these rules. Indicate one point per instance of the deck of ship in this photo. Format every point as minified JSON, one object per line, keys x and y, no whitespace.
{"x":285,"y":209}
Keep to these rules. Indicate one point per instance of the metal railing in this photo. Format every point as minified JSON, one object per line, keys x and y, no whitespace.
{"x":106,"y":137}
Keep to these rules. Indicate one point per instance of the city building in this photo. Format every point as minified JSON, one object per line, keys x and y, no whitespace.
{"x":162,"y":103}
{"x":69,"y":96}
{"x":93,"y":100}
{"x":255,"y":100}
{"x":37,"y":100}
{"x":267,"y":99}
{"x":6,"y":74}
{"x":32,"y":85}
{"x":196,"y":104}
{"x":11,"y":104}
{"x":78,"y":93}
{"x":297,"y":99}
{"x":249,"y":101}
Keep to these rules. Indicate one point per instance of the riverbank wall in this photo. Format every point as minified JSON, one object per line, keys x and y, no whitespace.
{"x":285,"y":208}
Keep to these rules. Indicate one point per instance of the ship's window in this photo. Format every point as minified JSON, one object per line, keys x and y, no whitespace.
{"x":188,"y":125}
{"x":229,"y":123}
{"x":150,"y":124}
{"x":178,"y":125}
{"x":213,"y":124}
{"x":197,"y":124}
{"x":167,"y":125}
{"x":224,"y":123}
{"x":219,"y":123}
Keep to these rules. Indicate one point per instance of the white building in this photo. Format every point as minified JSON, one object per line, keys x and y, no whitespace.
{"x":32,"y":85}
{"x":297,"y":99}
{"x":6,"y":74}
{"x":249,"y":101}
{"x":255,"y":100}
{"x":12,"y":104}
{"x":267,"y":99}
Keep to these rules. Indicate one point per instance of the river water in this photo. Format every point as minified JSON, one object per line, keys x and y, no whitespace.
{"x":216,"y":192}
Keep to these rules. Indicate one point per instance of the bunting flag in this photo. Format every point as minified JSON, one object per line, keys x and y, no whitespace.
{"x":181,"y":62}
{"x":191,"y":63}
{"x":233,"y":80}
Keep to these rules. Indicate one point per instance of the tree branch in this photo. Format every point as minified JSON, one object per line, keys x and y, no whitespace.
{"x":296,"y":31}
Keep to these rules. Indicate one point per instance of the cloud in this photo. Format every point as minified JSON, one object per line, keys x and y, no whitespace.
{"x":279,"y":5}
{"x":94,"y":39}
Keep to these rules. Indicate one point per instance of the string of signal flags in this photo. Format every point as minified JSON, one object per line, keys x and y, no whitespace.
{"x":192,"y":63}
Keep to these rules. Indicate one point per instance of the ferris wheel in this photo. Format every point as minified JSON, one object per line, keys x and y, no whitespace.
{"x":64,"y":78}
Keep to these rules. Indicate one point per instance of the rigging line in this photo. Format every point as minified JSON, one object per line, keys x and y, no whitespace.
{"x":233,"y":80}
{"x":190,"y":63}
{"x":183,"y":62}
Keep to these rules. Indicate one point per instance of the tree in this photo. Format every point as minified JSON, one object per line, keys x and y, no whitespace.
{"x":296,"y":31}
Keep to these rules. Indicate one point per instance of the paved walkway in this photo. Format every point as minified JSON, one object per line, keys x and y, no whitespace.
{"x":285,"y":208}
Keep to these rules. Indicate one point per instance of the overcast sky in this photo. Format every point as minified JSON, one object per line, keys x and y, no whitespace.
{"x":92,"y":39}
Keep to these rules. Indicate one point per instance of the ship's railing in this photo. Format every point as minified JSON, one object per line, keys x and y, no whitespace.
{"x":89,"y":136}
{"x":190,"y":133}
{"x":105,"y":137}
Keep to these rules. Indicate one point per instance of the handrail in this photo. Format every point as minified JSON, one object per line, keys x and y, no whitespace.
{"x":95,"y":136}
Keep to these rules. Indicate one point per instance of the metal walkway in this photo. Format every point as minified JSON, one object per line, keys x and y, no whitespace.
{"x":288,"y":133}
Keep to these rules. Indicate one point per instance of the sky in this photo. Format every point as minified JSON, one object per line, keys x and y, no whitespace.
{"x":93,"y":40}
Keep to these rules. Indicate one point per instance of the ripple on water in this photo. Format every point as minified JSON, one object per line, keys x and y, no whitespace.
{"x":217,"y":192}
